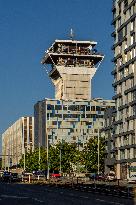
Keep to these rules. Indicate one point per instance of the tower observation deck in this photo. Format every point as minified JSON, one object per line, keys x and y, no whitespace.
{"x":73,"y":65}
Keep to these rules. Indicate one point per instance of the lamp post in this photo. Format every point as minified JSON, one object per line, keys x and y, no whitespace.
{"x":60,"y":157}
{"x":48,"y":176}
{"x":60,"y":147}
{"x":79,"y":142}
{"x":39,"y":157}
{"x":98,"y":150}
{"x":24,"y":158}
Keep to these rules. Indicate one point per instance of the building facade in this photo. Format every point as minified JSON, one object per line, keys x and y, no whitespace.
{"x":70,"y":121}
{"x":16,"y":140}
{"x":124,"y":21}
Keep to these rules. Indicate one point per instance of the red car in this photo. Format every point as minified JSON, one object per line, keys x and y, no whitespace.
{"x":55,"y":174}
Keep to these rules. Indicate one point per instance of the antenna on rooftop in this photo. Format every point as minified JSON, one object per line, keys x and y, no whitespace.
{"x":71,"y":34}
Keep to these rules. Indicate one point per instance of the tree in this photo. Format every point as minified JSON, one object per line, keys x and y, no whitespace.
{"x":69,"y":155}
{"x":90,"y":154}
{"x":32,"y":160}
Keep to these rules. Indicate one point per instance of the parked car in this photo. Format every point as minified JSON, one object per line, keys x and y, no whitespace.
{"x":100,"y":177}
{"x":6,"y":177}
{"x":92,"y":176}
{"x":111,"y":176}
{"x":96,"y":176}
{"x":55,"y":174}
{"x":15,"y":177}
{"x":40,"y":173}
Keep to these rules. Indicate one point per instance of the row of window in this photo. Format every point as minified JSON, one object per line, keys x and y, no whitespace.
{"x":126,"y":14}
{"x":131,"y":111}
{"x":128,"y":154}
{"x":75,"y":107}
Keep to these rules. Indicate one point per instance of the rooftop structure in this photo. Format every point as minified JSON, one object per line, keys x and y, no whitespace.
{"x":73,"y":65}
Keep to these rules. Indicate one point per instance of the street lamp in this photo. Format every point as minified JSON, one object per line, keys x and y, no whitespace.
{"x":60,"y":157}
{"x":39,"y":157}
{"x":60,"y":146}
{"x":48,"y":176}
{"x":98,"y":150}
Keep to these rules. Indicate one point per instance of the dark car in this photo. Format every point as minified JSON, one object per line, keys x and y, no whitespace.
{"x":6,"y":177}
{"x":96,"y":176}
{"x":100,"y":177}
{"x":92,"y":176}
{"x":15,"y":177}
{"x":40,"y":173}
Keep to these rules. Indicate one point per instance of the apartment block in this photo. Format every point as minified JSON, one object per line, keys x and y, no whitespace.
{"x":124,"y":22}
{"x":16,"y":140}
{"x":67,"y":120}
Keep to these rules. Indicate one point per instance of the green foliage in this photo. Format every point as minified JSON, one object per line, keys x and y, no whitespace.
{"x":68,"y":153}
{"x":32,"y":160}
{"x":85,"y":160}
{"x":90,"y":154}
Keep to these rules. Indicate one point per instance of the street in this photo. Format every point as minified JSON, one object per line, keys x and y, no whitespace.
{"x":28,"y":194}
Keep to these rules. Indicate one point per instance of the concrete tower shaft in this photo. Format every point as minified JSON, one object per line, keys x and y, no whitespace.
{"x":74,"y":64}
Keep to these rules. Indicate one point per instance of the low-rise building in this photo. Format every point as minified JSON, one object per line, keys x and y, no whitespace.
{"x":16,"y":140}
{"x":70,"y":121}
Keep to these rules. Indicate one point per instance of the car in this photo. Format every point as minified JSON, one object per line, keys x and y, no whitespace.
{"x":100,"y":177}
{"x":6,"y":177}
{"x":96,"y":176}
{"x":111,"y":176}
{"x":55,"y":174}
{"x":40,"y":173}
{"x":92,"y":176}
{"x":15,"y":177}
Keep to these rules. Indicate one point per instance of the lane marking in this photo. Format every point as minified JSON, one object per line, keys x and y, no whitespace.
{"x":102,"y":200}
{"x":115,"y":203}
{"x":35,"y":199}
{"x":21,"y":197}
{"x":61,"y":192}
{"x":15,"y":197}
{"x":84,"y":197}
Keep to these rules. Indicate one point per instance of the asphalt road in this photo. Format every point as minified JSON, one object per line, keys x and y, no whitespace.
{"x":28,"y":194}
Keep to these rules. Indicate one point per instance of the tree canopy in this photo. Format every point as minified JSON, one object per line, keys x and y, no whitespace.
{"x":71,"y":158}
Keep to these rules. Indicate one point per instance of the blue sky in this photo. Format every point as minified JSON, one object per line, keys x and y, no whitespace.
{"x":27,"y":29}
